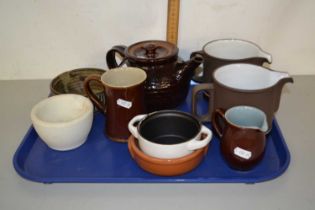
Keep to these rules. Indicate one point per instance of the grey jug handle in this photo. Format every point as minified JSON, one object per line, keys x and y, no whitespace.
{"x":111,"y":56}
{"x":206,"y":87}
{"x":198,"y":78}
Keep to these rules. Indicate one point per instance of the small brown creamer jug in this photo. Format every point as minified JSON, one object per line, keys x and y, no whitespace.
{"x":242,"y":131}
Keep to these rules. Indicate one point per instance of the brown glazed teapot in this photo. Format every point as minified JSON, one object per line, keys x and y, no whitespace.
{"x":168,"y":77}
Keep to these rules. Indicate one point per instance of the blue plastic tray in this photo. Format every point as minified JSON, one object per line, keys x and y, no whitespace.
{"x":102,"y":160}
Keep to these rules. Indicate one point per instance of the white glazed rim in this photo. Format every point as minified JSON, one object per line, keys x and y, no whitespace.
{"x":168,"y":145}
{"x":245,"y":107}
{"x":245,"y":42}
{"x":132,"y":70}
{"x":246,"y":68}
{"x":35,"y":118}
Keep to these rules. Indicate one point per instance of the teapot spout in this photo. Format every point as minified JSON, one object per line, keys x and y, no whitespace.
{"x":185,"y":70}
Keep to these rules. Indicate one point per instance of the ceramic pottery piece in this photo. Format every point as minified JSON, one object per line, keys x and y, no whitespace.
{"x":165,"y":167}
{"x":72,"y":82}
{"x":242,"y":135}
{"x":228,"y":51}
{"x":169,"y":133}
{"x":124,"y":94}
{"x":168,"y":77}
{"x":243,"y":84}
{"x":63,"y":121}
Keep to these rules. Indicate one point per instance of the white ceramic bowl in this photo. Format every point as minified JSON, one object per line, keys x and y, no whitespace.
{"x":63,"y":121}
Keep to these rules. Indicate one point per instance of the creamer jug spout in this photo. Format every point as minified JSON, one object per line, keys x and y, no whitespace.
{"x":266,"y":56}
{"x":282,"y":78}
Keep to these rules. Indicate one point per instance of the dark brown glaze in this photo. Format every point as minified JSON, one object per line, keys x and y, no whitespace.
{"x":118,"y":117}
{"x":110,"y":56}
{"x":168,"y":77}
{"x":165,"y":167}
{"x":221,"y":96}
{"x":211,"y":63}
{"x":249,"y":139}
{"x":89,"y":92}
{"x":168,"y":89}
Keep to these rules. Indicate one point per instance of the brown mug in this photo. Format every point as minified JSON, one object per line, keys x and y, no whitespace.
{"x":227,"y":51}
{"x":242,"y":131}
{"x":124,"y":99}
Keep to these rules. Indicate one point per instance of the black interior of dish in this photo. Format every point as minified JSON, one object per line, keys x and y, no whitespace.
{"x":169,"y":128}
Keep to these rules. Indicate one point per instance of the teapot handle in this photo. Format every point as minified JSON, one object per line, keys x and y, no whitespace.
{"x":111,"y":56}
{"x":218,"y":113}
{"x":206,"y":87}
{"x":88,"y":91}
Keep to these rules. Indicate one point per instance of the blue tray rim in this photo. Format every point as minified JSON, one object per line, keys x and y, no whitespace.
{"x":30,"y":177}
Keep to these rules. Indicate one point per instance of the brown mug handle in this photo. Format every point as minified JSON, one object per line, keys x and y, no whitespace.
{"x":198,"y":53}
{"x":218,"y":114}
{"x":207,"y":87}
{"x":89,"y":92}
{"x":111,"y":56}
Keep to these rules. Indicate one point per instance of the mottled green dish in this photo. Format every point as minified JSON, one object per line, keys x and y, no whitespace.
{"x":72,"y":82}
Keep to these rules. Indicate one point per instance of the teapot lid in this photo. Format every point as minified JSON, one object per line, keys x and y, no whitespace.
{"x":152,"y":51}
